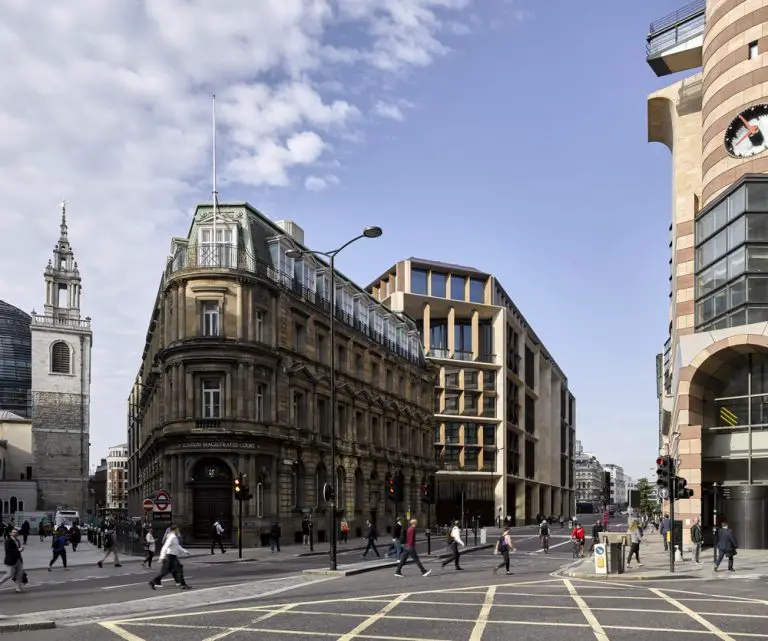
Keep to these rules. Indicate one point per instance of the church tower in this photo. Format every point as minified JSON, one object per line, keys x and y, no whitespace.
{"x":61,"y":382}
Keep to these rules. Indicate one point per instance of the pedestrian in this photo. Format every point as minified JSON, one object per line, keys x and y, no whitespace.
{"x":597,"y":528}
{"x":274,"y":537}
{"x":504,"y":546}
{"x":398,"y":534}
{"x":454,"y":541}
{"x":372,"y":535}
{"x":59,"y":547}
{"x":343,"y":531}
{"x":169,"y":557}
{"x":25,"y":531}
{"x":74,"y":537}
{"x":305,"y":530}
{"x":726,"y":546}
{"x":664,"y":530}
{"x":697,"y":538}
{"x":409,"y":551}
{"x":635,"y":537}
{"x":149,"y":547}
{"x":218,"y":531}
{"x":13,"y":562}
{"x":109,"y":543}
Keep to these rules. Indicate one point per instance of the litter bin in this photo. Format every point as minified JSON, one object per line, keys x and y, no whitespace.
{"x":615,"y":543}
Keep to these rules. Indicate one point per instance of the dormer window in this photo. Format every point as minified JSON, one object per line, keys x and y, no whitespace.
{"x":283,"y":265}
{"x":322,"y":284}
{"x":219,"y":251}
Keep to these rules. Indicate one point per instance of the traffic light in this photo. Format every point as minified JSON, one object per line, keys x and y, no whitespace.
{"x":681,"y":489}
{"x":238,"y":487}
{"x":399,"y":487}
{"x":391,"y":487}
{"x":664,"y":471}
{"x":428,"y":491}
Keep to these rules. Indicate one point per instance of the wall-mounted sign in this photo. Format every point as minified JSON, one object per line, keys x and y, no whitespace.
{"x":215,"y":445}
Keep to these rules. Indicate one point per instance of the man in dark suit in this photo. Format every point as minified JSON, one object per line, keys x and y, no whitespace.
{"x":726,"y":546}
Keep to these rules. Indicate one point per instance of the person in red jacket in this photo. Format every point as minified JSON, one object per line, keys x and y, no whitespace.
{"x":410,"y":551}
{"x":578,"y":537}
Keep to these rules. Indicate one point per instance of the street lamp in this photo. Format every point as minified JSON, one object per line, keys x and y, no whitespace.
{"x":368,"y":232}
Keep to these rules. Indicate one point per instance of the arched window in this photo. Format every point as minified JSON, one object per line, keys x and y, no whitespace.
{"x":61,"y":358}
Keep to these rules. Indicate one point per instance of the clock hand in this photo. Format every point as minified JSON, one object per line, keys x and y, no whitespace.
{"x":744,"y":120}
{"x":751,"y":131}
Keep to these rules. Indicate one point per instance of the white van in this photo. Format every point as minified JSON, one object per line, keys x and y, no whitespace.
{"x":67,"y":518}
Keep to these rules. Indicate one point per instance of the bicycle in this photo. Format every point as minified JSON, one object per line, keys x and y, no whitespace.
{"x":545,"y":543}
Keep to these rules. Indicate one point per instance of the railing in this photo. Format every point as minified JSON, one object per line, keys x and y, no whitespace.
{"x":684,"y":24}
{"x":221,"y":257}
{"x":438,"y":352}
{"x":57,"y":321}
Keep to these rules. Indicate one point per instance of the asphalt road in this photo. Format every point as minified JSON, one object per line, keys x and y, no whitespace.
{"x":473,"y":605}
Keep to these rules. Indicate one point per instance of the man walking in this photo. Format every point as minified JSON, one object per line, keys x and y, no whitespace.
{"x":398,"y":535}
{"x":663,"y":530}
{"x":218,"y":531}
{"x":110,"y":547}
{"x":371,"y":536}
{"x":696,"y":538}
{"x":169,"y":557}
{"x":274,"y":537}
{"x":726,"y":546}
{"x":59,"y":548}
{"x":13,"y":562}
{"x":454,"y":540}
{"x":410,"y":551}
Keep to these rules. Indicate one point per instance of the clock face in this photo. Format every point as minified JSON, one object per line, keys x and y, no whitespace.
{"x":747,"y":135}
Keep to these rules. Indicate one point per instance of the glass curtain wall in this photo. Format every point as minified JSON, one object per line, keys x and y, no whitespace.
{"x":15,"y":360}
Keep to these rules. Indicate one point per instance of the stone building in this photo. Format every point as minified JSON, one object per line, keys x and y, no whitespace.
{"x":590,"y":490}
{"x":235,"y":379}
{"x":618,"y":485}
{"x":117,"y":479}
{"x":61,"y":383}
{"x":505,"y":418}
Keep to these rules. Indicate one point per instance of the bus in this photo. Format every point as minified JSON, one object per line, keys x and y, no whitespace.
{"x":67,"y":518}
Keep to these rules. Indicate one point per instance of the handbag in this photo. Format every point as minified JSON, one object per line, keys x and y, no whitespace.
{"x":24,"y":578}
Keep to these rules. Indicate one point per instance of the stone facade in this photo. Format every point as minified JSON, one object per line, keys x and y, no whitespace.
{"x":235,"y":379}
{"x":61,"y":380}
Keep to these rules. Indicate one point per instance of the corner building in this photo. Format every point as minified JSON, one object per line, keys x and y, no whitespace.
{"x":235,"y":378}
{"x":505,"y":419}
{"x":714,"y":374}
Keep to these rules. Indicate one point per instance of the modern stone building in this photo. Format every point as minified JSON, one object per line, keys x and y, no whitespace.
{"x":235,"y":379}
{"x":61,"y":383}
{"x":505,"y":419}
{"x":715,"y":364}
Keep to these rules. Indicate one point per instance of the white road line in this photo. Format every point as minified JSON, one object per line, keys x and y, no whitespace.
{"x":597,"y":629}
{"x":482,"y":618}
{"x":694,"y":615}
{"x":374,"y":618}
{"x":552,"y":547}
{"x":130,"y":585}
{"x":123,"y":634}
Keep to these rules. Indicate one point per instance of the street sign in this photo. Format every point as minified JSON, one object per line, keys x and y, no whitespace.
{"x":162,"y":502}
{"x":149,"y":505}
{"x":664,"y":493}
{"x":601,"y":559}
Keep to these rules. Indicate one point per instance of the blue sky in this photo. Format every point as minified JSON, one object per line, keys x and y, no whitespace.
{"x":432,"y":118}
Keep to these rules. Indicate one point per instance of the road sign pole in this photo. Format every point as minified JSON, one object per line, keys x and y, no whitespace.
{"x":671,"y":489}
{"x":240,"y":531}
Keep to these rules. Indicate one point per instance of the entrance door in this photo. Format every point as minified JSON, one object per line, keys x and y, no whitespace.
{"x":211,"y":498}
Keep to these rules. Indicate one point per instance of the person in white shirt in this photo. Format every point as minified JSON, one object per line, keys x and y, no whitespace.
{"x":218,"y":531}
{"x":169,"y":557}
{"x":149,"y":547}
{"x":454,"y":541}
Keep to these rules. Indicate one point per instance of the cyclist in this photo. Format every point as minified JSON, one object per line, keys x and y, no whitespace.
{"x":544,"y":535}
{"x":578,"y":536}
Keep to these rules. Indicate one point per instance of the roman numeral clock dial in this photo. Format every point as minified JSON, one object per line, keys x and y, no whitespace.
{"x":747,"y":135}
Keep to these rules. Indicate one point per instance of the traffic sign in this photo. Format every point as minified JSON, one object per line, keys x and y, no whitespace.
{"x":162,"y":501}
{"x":149,"y":504}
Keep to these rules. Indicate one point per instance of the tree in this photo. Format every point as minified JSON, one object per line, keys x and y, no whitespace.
{"x":647,"y":504}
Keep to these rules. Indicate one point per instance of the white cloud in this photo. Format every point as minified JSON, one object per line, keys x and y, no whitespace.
{"x":317,"y":183}
{"x":388,"y":110}
{"x":106,"y":104}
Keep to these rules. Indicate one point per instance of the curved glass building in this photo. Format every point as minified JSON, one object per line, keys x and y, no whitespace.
{"x":15,"y":360}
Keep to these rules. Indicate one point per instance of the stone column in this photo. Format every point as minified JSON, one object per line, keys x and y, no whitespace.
{"x":240,"y":390}
{"x":182,"y":310}
{"x":426,"y":315}
{"x":173,"y":304}
{"x":475,"y":333}
{"x":189,"y":410}
{"x":240,"y":311}
{"x":248,"y":293}
{"x":229,"y":392}
{"x":167,"y":325}
{"x":451,"y":320}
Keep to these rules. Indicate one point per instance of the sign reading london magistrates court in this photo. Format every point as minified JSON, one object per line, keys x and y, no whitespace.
{"x":215,"y":445}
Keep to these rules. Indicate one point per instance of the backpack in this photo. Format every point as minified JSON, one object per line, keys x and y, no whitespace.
{"x":449,"y":538}
{"x":544,"y":529}
{"x":502,"y":544}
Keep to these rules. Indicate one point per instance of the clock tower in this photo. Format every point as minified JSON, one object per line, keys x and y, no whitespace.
{"x":61,"y":381}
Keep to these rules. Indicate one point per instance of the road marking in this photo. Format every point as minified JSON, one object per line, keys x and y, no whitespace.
{"x":264,"y":617}
{"x":552,"y":547}
{"x":374,"y":618}
{"x":123,"y":634}
{"x":734,"y":598}
{"x":694,"y":615}
{"x":597,"y":629}
{"x":130,"y":585}
{"x":482,"y":618}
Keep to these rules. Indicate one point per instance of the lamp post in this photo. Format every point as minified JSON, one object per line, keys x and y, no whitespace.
{"x":368,"y":232}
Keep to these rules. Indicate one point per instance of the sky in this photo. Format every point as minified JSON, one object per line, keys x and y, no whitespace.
{"x":507,"y":135}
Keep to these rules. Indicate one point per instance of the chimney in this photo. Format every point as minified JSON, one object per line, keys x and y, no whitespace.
{"x":292,"y":229}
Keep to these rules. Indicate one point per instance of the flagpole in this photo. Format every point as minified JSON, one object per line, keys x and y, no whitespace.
{"x":215,"y":193}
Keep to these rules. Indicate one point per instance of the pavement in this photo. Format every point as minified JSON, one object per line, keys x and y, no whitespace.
{"x":473,"y":605}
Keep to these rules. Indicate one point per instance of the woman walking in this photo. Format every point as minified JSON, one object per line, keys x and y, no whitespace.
{"x":635,"y":537}
{"x":504,"y":546}
{"x":149,"y":547}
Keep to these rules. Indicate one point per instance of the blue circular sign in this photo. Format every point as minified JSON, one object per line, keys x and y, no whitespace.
{"x":599,"y":549}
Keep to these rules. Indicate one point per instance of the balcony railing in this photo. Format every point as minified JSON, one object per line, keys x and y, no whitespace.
{"x":679,"y":26}
{"x":60,"y":321}
{"x":222,"y":257}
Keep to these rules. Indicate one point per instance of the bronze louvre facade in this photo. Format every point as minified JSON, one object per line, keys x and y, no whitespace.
{"x":235,"y":378}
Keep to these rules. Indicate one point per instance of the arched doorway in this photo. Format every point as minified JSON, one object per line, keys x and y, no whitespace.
{"x":212,"y":497}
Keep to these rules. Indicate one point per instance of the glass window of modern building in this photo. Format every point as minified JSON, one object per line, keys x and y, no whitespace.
{"x":476,"y":290}
{"x":731,"y":239}
{"x":458,"y":285}
{"x":15,"y":360}
{"x":419,"y":281}
{"x":439,"y":284}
